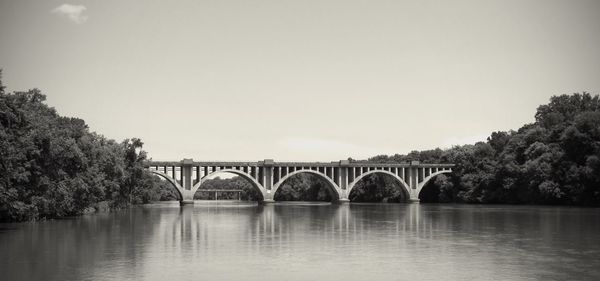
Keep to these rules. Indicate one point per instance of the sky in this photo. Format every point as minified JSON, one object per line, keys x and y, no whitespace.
{"x":300,"y":80}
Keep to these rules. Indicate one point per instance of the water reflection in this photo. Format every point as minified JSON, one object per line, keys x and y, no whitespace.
{"x":230,"y":241}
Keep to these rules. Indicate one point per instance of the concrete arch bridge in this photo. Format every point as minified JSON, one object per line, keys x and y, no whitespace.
{"x":267,"y":176}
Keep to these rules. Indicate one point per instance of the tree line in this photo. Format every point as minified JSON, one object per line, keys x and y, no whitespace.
{"x":554,"y":160}
{"x":53,"y":166}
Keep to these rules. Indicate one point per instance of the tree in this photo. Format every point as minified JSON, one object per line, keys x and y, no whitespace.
{"x":53,"y":166}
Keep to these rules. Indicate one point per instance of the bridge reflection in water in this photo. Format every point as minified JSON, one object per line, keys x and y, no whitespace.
{"x":276,"y":227}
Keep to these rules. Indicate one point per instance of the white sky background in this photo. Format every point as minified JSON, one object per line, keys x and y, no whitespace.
{"x":300,"y":80}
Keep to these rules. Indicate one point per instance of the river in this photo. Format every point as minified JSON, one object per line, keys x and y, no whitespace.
{"x":308,"y":241}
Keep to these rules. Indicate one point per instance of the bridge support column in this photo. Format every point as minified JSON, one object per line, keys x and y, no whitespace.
{"x":188,"y":197}
{"x":267,"y":168}
{"x":186,"y":173}
{"x":413,"y":175}
{"x":343,"y":182}
{"x":413,"y":196}
{"x":343,"y":197}
{"x":268,"y":173}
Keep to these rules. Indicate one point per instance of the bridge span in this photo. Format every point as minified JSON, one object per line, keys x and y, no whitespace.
{"x":267,"y":176}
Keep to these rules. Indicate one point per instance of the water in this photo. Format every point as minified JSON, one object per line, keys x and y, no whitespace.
{"x":242,"y":241}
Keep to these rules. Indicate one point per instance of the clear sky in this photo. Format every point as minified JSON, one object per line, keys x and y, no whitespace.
{"x":300,"y":80}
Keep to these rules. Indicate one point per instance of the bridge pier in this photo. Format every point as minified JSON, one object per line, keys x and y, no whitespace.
{"x":187,"y":197}
{"x":186,"y":202}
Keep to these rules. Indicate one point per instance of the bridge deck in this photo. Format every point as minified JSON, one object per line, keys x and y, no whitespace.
{"x":292,"y":164}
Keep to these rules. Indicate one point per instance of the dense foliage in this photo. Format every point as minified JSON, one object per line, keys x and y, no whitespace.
{"x":304,"y":187}
{"x":555,"y":160}
{"x":53,"y":166}
{"x":378,"y":188}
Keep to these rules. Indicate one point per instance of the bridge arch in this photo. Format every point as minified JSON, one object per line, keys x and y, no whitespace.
{"x":424,"y":182}
{"x":404,"y":186}
{"x":255,"y":184}
{"x":172,"y":181}
{"x":336,"y":190}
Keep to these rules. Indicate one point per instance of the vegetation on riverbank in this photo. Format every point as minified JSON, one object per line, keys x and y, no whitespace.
{"x":53,"y":166}
{"x":554,"y":160}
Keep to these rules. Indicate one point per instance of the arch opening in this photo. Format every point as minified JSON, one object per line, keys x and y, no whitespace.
{"x":169,"y":189}
{"x":305,"y":185}
{"x":378,"y":186}
{"x":438,"y":189}
{"x":227,"y":185}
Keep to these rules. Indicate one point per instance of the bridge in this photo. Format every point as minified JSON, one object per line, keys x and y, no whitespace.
{"x":267,"y":176}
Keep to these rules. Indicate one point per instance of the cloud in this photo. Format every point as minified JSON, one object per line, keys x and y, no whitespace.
{"x":73,"y":12}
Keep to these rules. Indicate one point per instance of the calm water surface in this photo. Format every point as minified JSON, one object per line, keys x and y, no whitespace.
{"x":243,"y":241}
